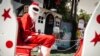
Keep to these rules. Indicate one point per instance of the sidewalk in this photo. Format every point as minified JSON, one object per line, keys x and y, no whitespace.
{"x":58,"y":53}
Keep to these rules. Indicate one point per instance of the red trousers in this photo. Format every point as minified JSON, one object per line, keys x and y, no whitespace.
{"x":42,"y":39}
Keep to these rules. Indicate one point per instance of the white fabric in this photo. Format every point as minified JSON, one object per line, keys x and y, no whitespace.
{"x":29,"y":37}
{"x":44,"y":51}
{"x":33,"y":14}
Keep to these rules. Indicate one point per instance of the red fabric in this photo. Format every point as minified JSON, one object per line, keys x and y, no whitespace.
{"x":20,"y":41}
{"x":27,"y":25}
{"x":35,"y":3}
{"x":23,"y":51}
{"x":41,"y":39}
{"x":79,"y":51}
{"x":58,"y":2}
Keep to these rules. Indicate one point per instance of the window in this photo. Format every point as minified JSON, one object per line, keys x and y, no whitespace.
{"x":57,"y":24}
{"x":40,"y":20}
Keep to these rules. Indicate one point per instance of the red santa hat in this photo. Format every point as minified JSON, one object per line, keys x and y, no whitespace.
{"x":35,"y":7}
{"x":35,"y":3}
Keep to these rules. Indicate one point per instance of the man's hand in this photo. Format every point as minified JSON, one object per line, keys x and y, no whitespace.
{"x":29,"y":37}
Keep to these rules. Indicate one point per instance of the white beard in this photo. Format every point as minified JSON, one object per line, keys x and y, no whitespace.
{"x":32,"y":14}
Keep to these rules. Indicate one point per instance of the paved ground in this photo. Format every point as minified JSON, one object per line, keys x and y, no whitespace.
{"x":58,"y":53}
{"x":62,"y":53}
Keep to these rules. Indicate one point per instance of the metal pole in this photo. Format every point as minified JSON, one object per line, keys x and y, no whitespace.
{"x":73,"y":21}
{"x":72,"y":5}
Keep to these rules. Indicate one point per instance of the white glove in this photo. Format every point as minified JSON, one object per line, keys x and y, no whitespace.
{"x":29,"y":37}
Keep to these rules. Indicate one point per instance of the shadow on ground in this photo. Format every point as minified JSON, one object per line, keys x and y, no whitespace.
{"x":63,"y":51}
{"x":59,"y":53}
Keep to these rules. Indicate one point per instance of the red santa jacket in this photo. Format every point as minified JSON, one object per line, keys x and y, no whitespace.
{"x":27,"y":26}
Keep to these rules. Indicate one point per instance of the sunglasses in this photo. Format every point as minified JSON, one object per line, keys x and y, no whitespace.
{"x":35,"y":9}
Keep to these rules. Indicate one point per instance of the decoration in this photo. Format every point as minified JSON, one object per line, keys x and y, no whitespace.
{"x":6,"y":14}
{"x":96,"y":39}
{"x":98,"y":18}
{"x":9,"y":44}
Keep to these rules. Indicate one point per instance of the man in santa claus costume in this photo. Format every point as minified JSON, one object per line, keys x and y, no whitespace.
{"x":30,"y":36}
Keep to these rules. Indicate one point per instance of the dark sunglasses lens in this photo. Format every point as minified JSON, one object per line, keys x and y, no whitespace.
{"x":35,"y":9}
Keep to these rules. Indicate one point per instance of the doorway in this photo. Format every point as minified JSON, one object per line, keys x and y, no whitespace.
{"x":49,"y":24}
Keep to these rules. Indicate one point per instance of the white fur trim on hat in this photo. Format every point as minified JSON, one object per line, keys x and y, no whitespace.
{"x":32,"y":12}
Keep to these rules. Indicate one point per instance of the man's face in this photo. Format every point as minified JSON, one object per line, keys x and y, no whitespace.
{"x":34,"y":12}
